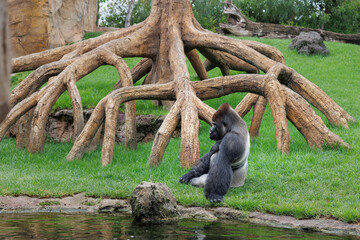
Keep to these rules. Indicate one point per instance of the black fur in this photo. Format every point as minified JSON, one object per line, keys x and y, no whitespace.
{"x":230,"y":133}
{"x":202,"y":166}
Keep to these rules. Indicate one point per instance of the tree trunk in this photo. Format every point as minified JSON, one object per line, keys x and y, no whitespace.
{"x":5,"y":58}
{"x":129,"y":13}
{"x":164,"y":40}
{"x":239,"y":25}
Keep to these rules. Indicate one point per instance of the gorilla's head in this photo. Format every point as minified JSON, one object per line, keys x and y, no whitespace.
{"x":221,"y":122}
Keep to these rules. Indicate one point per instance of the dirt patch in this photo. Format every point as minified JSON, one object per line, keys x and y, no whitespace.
{"x":81,"y":203}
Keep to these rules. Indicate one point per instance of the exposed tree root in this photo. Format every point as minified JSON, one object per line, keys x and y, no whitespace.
{"x":164,"y":40}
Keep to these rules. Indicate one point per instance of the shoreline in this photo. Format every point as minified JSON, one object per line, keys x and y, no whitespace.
{"x":79,"y":203}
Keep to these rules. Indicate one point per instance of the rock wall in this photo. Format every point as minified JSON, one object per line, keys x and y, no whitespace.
{"x":37,"y":25}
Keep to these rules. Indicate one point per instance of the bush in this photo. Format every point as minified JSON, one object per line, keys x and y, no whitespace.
{"x":209,"y":13}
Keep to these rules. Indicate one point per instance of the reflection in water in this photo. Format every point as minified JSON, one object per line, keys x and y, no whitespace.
{"x":118,"y":226}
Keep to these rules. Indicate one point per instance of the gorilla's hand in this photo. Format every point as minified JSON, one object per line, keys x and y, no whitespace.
{"x":186,"y":178}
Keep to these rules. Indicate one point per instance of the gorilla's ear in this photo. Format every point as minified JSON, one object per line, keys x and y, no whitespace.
{"x":223,"y":110}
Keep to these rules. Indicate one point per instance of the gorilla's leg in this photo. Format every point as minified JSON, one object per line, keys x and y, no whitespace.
{"x":199,"y":181}
{"x":239,"y":176}
{"x":218,"y":180}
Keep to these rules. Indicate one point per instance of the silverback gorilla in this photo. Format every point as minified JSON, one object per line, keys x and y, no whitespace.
{"x":225,"y":165}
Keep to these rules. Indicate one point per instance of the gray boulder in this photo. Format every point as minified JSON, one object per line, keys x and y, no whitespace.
{"x":309,"y":43}
{"x":153,"y":202}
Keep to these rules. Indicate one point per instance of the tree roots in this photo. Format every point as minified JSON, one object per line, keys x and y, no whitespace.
{"x":164,"y":40}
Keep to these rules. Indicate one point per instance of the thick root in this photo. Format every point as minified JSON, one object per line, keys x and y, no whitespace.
{"x":198,"y":66}
{"x":111,"y":113}
{"x":277,"y":101}
{"x":164,"y":133}
{"x":92,"y":126}
{"x":189,"y":154}
{"x":259,"y":110}
{"x":246,"y":104}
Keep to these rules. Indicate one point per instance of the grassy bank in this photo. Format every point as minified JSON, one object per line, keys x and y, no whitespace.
{"x":306,"y":183}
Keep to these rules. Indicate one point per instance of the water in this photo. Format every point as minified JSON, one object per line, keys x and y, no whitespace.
{"x":118,"y":226}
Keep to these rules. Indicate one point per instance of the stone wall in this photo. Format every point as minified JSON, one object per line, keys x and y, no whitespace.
{"x":37,"y":25}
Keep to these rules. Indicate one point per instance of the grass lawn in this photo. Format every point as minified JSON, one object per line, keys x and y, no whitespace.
{"x":306,"y":183}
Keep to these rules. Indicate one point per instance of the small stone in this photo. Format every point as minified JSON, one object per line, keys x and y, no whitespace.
{"x":309,"y":43}
{"x":153,"y":202}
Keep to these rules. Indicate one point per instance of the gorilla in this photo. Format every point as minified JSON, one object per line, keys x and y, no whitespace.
{"x":225,"y":165}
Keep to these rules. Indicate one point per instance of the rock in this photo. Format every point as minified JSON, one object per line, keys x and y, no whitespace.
{"x":198,"y":213}
{"x":113,"y":205}
{"x":37,"y":25}
{"x":152,"y":203}
{"x":229,"y":213}
{"x":309,"y":43}
{"x":76,"y":203}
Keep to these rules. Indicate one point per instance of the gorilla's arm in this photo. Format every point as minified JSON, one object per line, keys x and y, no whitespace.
{"x":202,"y":166}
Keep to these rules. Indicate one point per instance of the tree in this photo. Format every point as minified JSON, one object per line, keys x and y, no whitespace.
{"x":164,"y":40}
{"x":129,"y":13}
{"x":5,"y":57}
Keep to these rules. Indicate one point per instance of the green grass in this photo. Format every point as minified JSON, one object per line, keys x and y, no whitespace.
{"x":306,"y":183}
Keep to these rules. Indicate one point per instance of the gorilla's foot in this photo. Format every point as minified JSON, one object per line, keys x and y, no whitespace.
{"x":214,"y":198}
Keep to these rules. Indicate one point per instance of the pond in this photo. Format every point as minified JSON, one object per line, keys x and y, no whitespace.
{"x":120,"y":226}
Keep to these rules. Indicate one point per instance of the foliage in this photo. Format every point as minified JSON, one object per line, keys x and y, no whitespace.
{"x":209,"y":13}
{"x":345,"y":17}
{"x":306,"y":183}
{"x":112,"y":13}
{"x":141,"y":11}
{"x":339,"y":16}
{"x":271,"y":11}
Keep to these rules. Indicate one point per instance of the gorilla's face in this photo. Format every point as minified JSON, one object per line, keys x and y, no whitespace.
{"x":222,"y":122}
{"x":217,"y":131}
